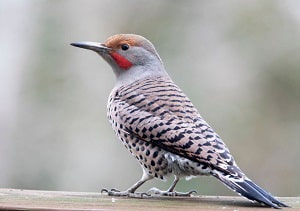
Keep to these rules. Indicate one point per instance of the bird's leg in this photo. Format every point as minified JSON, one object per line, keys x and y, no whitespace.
{"x":170,"y":191}
{"x":130,"y":192}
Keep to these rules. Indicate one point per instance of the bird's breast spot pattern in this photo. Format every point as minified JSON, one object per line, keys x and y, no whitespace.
{"x":121,"y":61}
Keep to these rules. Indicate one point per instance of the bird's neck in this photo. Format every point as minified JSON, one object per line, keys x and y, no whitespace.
{"x":139,"y":73}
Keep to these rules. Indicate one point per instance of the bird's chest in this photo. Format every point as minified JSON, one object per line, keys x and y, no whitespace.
{"x":150,"y":157}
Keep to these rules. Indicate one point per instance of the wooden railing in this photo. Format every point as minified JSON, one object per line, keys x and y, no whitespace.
{"x":16,"y":199}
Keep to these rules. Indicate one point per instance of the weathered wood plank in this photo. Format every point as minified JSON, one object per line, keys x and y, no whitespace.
{"x":15,"y":199}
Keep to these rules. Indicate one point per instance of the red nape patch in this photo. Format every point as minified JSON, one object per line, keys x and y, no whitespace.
{"x":121,"y":61}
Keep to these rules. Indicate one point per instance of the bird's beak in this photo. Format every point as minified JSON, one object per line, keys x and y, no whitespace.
{"x":94,"y":46}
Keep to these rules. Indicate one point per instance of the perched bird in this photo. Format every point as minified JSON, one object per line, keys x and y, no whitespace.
{"x":160,"y":126}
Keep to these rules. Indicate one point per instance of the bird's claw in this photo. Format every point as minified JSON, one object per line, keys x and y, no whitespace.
{"x":159,"y":192}
{"x":145,"y":195}
{"x":191,"y":192}
{"x":116,"y":192}
{"x":105,"y":190}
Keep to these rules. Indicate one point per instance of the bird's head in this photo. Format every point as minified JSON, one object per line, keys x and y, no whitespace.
{"x":131,"y":56}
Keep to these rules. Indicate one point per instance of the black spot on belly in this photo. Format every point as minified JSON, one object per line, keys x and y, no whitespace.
{"x":160,"y":160}
{"x":155,"y":154}
{"x":147,"y":152}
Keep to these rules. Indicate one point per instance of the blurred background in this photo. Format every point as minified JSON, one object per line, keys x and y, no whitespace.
{"x":238,"y":61}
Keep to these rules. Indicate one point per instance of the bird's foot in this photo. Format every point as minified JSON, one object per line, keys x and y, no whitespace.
{"x":159,"y":192}
{"x":116,"y":192}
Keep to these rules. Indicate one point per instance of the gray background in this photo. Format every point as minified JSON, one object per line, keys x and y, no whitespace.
{"x":238,"y":61}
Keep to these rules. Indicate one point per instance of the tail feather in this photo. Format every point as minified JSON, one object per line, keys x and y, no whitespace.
{"x":266,"y":194}
{"x":250,"y":190}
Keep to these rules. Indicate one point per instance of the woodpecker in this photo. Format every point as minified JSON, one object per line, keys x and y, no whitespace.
{"x":161,"y":127}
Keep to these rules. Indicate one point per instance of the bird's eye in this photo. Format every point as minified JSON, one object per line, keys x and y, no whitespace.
{"x":124,"y":47}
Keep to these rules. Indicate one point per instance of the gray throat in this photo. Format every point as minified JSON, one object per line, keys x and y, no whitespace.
{"x":138,"y":73}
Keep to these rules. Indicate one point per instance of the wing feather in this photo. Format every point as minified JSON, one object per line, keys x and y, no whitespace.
{"x":167,"y":118}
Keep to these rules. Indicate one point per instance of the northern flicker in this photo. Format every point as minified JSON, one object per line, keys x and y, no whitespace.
{"x":160,"y":126}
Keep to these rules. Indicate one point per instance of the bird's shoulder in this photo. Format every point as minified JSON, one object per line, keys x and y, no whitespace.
{"x":159,"y":96}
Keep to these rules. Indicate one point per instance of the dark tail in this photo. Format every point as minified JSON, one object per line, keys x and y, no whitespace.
{"x":250,"y":190}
